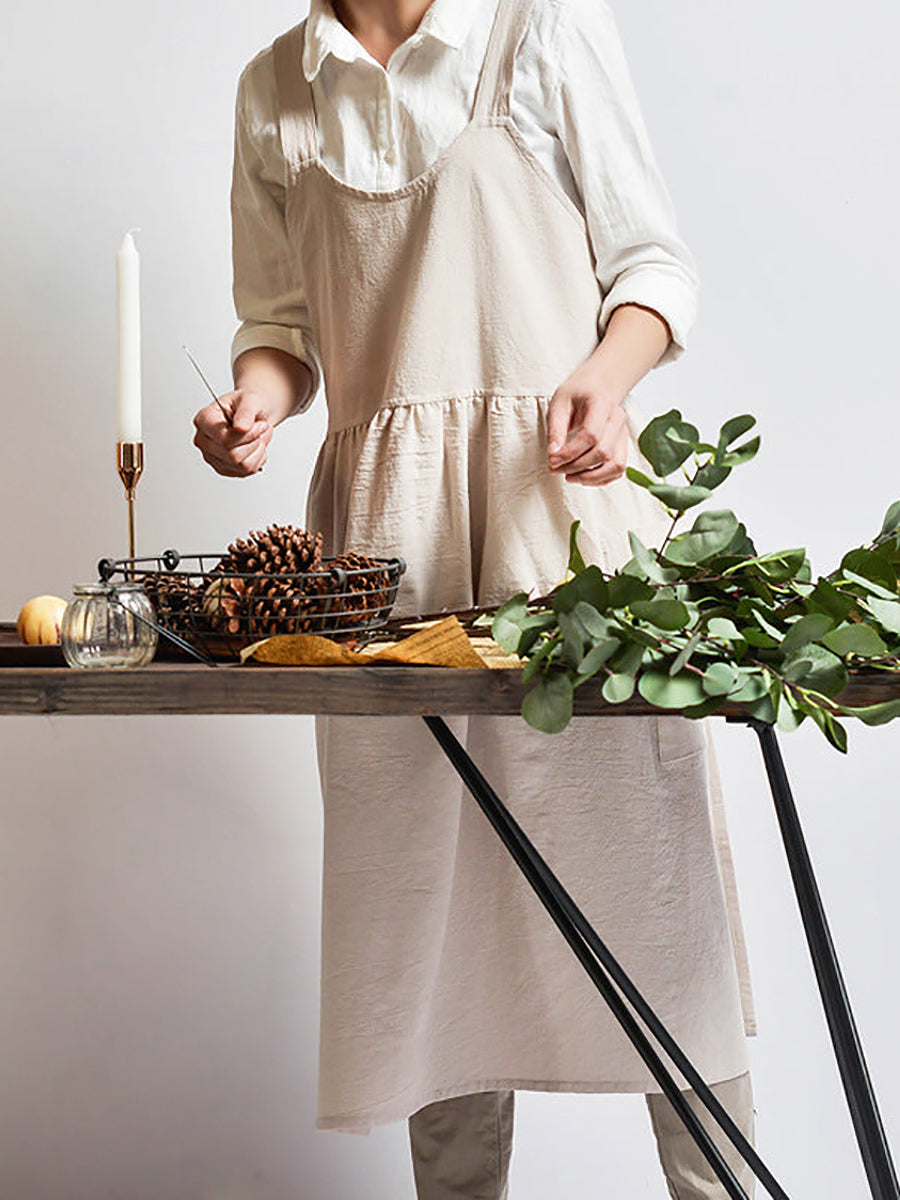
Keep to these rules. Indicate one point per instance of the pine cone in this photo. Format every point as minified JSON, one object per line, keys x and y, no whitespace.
{"x":282,"y":606}
{"x":364,"y":594}
{"x":174,"y":597}
{"x":261,"y":606}
{"x":276,"y":550}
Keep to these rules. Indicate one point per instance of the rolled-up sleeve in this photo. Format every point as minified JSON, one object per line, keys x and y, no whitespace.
{"x":268,"y":298}
{"x":640,"y":257}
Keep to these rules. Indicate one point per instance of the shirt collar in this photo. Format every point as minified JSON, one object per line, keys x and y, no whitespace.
{"x":447,"y":21}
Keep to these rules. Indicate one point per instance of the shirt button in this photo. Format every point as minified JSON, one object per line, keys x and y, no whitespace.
{"x":390,"y":155}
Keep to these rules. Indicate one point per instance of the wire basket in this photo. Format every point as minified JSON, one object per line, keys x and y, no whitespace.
{"x":219,"y":611}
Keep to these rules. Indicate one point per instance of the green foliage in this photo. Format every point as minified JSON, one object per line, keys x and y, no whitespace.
{"x":705,"y":619}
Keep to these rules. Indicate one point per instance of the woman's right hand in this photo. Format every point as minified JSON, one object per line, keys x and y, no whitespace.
{"x":240,"y":448}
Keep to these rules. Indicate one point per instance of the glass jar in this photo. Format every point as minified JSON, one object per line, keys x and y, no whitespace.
{"x":102,"y":626}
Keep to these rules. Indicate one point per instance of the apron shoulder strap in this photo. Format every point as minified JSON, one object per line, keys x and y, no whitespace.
{"x":495,"y":80}
{"x":296,"y":114}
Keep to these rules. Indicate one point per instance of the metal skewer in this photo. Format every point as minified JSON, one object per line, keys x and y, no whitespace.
{"x":225,"y":413}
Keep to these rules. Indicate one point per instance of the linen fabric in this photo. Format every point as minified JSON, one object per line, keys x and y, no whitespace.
{"x":573,"y":101}
{"x":446,"y":312}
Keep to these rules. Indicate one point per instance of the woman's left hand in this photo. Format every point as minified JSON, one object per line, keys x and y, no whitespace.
{"x":587,"y":431}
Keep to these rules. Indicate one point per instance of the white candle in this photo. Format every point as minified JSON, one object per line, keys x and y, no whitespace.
{"x":128,"y":294}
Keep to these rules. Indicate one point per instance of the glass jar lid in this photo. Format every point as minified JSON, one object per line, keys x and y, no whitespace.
{"x":105,"y":589}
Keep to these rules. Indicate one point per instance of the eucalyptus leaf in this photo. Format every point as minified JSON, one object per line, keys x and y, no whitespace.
{"x":622,"y":590}
{"x":876,"y":589}
{"x":733,"y":428}
{"x":753,"y":687}
{"x":548,"y":705}
{"x":711,"y":532}
{"x":532,"y":627}
{"x":722,"y":627}
{"x":871,"y":564}
{"x":506,"y":627}
{"x":756,"y":637}
{"x":855,"y":638}
{"x":528,"y":638}
{"x":664,"y":614}
{"x":710,"y":475}
{"x":680,"y":498}
{"x":875,"y":714}
{"x":597,"y":656}
{"x":762,"y":709}
{"x":760,"y":588}
{"x":828,"y":598}
{"x":576,"y":561}
{"x":887,"y":612}
{"x":807,"y":629}
{"x":686,"y":651}
{"x":743,"y":453}
{"x":573,"y":640}
{"x":720,"y":678}
{"x":667,"y":691}
{"x":781,"y":566}
{"x":618,"y":687}
{"x":637,"y":476}
{"x":832,"y":729}
{"x":803,"y":587}
{"x":643,"y":637}
{"x":538,"y":620}
{"x":797,"y":669}
{"x":741,"y":544}
{"x":539,"y":658}
{"x":768,"y":626}
{"x":628,"y":659}
{"x":789,"y":716}
{"x":596,"y":625}
{"x":588,"y":585}
{"x":891,"y":520}
{"x":828,"y":674}
{"x":803,"y":572}
{"x":666,"y":441}
{"x":645,"y":559}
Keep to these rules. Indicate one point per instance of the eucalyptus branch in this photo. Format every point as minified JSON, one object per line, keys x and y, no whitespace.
{"x":763,"y":633}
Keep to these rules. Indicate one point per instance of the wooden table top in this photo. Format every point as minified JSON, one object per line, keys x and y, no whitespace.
{"x":174,"y":688}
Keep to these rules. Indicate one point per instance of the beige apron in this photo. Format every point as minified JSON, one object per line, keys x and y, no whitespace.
{"x":447,"y":311}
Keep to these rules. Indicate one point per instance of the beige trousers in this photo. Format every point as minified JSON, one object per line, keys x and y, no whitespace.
{"x":461,"y":1147}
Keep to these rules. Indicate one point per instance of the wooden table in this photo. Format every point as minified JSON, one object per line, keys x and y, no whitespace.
{"x":174,"y":688}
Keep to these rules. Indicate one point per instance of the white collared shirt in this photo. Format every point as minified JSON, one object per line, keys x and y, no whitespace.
{"x":572,"y":98}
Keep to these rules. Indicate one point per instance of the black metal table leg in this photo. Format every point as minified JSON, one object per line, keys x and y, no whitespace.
{"x":870,"y":1135}
{"x":597,"y":960}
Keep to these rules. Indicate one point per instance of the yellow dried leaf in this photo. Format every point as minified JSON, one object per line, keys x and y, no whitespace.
{"x":443,"y":644}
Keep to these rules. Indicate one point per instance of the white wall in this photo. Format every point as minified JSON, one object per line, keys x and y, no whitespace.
{"x":159,"y":878}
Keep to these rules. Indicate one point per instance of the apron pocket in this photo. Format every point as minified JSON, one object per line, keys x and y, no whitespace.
{"x":678,"y":737}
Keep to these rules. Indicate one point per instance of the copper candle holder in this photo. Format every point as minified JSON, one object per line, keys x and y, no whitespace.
{"x":130,"y":464}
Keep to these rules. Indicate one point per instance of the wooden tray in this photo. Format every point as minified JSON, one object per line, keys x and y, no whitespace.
{"x":14,"y":653}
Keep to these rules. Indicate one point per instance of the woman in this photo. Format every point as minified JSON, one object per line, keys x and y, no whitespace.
{"x":449,"y":215}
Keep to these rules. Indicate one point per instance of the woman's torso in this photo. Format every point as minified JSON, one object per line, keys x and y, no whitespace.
{"x":448,"y":311}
